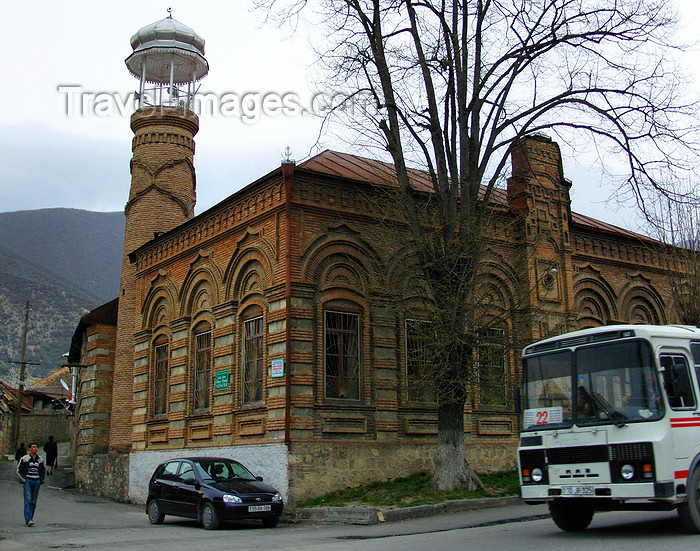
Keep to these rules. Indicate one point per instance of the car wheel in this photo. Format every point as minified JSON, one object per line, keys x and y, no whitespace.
{"x":210,"y":520}
{"x":155,"y":515}
{"x":689,"y":512}
{"x":270,"y":522}
{"x":571,"y":515}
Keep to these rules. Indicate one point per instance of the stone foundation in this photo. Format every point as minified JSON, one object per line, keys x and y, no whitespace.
{"x":493,"y":456}
{"x":103,"y":475}
{"x":300,"y":472}
{"x":318,"y":468}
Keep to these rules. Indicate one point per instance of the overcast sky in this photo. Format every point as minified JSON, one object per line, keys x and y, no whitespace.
{"x":55,"y":158}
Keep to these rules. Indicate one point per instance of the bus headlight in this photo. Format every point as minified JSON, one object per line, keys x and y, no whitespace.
{"x":627,"y":471}
{"x":537,"y":474}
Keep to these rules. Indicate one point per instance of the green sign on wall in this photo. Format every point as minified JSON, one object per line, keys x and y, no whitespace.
{"x":221,"y":380}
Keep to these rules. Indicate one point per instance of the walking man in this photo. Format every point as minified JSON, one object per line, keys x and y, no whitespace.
{"x":21,"y":452}
{"x":31,"y":472}
{"x":51,"y":451}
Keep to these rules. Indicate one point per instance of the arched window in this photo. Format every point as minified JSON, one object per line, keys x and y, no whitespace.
{"x":342,"y":354}
{"x":418,"y":377}
{"x":201,"y":372}
{"x":253,"y":360}
{"x":492,"y":367}
{"x":159,"y":404}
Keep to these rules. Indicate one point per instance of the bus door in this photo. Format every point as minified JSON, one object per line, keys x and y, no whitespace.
{"x":682,"y":400}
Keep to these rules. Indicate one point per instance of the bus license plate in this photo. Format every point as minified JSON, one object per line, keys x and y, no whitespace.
{"x":259,"y":508}
{"x":577,"y":490}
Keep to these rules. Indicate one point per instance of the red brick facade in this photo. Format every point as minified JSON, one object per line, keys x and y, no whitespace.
{"x":268,"y":268}
{"x":161,"y":197}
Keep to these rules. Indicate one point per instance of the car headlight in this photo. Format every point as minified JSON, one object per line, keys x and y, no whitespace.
{"x":277,"y":497}
{"x":229,"y":498}
{"x":627,"y":472}
{"x":537,"y":474}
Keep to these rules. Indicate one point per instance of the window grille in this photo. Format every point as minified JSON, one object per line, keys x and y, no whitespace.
{"x":160,"y":379}
{"x":493,"y":377}
{"x":342,"y":355}
{"x":201,"y":371}
{"x":418,"y":380}
{"x":253,"y":360}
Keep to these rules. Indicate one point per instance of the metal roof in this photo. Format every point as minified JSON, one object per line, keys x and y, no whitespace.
{"x":353,"y":167}
{"x":345,"y":165}
{"x":360,"y":169}
{"x":164,"y":42}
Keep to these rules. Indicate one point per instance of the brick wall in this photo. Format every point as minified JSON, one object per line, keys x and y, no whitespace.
{"x":229,"y":264}
{"x":38,"y":426}
{"x":95,"y":385}
{"x":161,"y":197}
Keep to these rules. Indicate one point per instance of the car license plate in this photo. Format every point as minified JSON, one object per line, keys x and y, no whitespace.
{"x":259,"y":508}
{"x":577,"y":490}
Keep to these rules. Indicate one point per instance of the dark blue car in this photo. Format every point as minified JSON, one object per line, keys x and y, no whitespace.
{"x":211,"y":489}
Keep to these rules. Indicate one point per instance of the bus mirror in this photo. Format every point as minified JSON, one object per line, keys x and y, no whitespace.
{"x":517,"y":403}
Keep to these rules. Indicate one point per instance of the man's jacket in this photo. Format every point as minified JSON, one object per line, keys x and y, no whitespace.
{"x":25,"y":469}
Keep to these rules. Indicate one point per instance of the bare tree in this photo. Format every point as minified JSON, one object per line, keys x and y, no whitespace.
{"x":456,"y":85}
{"x":677,"y":227}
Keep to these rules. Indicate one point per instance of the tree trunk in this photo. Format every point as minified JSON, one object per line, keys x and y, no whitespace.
{"x":451,"y":466}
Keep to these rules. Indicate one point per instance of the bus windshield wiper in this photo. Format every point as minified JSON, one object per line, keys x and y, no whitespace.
{"x":615,"y":416}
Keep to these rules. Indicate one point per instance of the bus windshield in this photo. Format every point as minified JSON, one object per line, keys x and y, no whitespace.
{"x":611,"y":383}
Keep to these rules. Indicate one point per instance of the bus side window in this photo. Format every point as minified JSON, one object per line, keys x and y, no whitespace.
{"x":695,"y":349}
{"x":677,"y":382}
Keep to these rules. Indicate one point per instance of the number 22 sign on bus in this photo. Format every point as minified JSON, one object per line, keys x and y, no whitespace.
{"x":542,"y":416}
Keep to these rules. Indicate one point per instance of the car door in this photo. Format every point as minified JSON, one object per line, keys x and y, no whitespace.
{"x":165,"y":487}
{"x":187,"y":491}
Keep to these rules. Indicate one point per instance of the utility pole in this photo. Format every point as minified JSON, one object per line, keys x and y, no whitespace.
{"x":22,"y":371}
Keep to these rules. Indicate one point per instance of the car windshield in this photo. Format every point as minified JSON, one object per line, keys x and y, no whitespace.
{"x":611,"y":383}
{"x":222,"y":470}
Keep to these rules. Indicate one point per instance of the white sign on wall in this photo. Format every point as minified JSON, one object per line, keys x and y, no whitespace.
{"x":277,"y":368}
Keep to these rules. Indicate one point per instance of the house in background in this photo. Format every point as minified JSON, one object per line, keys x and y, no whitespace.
{"x":46,"y":410}
{"x":282,"y":326}
{"x":8,"y":418}
{"x":52,"y":411}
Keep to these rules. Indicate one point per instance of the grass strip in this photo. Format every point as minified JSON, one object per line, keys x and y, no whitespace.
{"x":415,"y":489}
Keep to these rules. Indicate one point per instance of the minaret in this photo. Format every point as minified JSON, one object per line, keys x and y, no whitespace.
{"x":168,"y":59}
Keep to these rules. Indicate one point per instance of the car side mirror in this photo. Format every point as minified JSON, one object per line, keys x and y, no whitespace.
{"x":190,"y":482}
{"x":259,"y":478}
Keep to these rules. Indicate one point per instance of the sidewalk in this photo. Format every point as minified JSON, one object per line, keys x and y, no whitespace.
{"x":501,"y":509}
{"x":487,"y":511}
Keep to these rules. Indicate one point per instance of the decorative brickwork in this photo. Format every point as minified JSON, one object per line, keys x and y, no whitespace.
{"x":94,"y":397}
{"x":161,"y":197}
{"x":316,"y":240}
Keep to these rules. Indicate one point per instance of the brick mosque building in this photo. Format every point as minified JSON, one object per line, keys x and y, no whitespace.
{"x":277,"y":327}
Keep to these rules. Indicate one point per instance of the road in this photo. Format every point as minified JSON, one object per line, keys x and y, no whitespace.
{"x":70,"y":520}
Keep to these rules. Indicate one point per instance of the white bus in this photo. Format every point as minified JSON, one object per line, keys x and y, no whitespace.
{"x":611,"y":422}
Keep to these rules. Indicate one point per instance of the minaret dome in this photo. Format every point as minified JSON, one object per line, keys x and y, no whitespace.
{"x":168,"y":59}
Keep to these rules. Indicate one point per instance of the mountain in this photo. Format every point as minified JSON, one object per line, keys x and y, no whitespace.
{"x":65,"y":262}
{"x":81,"y":246}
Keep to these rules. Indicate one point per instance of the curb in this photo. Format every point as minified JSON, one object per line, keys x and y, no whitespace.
{"x":370,"y":515}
